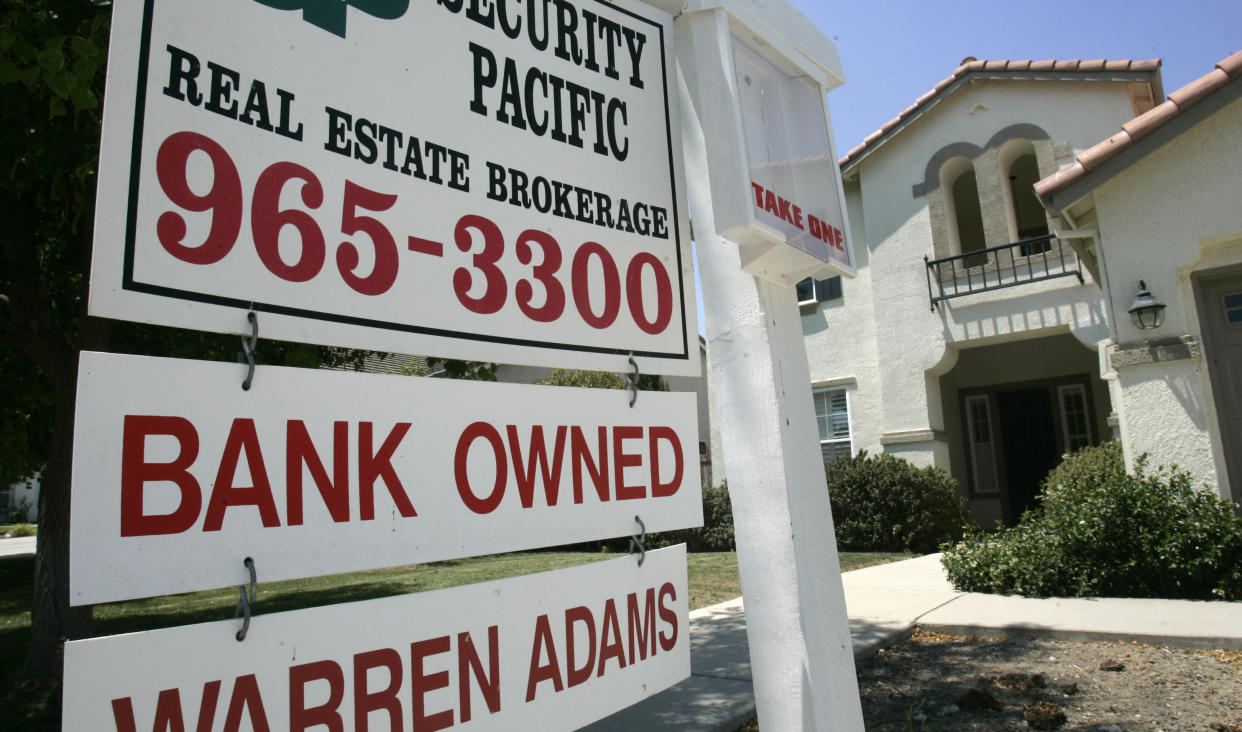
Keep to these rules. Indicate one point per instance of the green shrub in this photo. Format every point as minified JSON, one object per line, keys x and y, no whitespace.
{"x":716,"y":533}
{"x":882,"y":503}
{"x":1101,"y":532}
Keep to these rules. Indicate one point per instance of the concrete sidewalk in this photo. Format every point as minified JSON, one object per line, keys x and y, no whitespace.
{"x":17,"y":546}
{"x":884,"y":604}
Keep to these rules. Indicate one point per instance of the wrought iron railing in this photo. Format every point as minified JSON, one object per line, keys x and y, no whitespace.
{"x":996,"y":268}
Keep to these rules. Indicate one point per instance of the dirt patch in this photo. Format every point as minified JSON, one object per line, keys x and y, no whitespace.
{"x":940,"y":682}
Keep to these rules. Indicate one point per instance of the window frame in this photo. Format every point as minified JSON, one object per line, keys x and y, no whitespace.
{"x":825,"y":290}
{"x":846,"y":392}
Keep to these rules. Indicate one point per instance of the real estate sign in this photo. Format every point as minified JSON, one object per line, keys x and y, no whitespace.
{"x":555,"y":650}
{"x":179,"y":474}
{"x":495,"y":181}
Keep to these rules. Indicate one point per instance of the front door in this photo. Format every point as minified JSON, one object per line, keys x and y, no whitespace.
{"x":1028,"y":435}
{"x":1220,"y":313}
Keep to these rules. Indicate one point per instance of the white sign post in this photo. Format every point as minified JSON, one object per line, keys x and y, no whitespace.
{"x":796,"y":619}
{"x":488,"y":181}
{"x":314,"y":472}
{"x":549,"y":651}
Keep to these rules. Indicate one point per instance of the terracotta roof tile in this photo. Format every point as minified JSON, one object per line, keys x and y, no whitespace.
{"x":971,"y":65}
{"x":1091,"y":158}
{"x":1071,"y":171}
{"x":1232,"y":65}
{"x":1230,"y":69}
{"x":1144,"y":123}
{"x":1199,"y":88}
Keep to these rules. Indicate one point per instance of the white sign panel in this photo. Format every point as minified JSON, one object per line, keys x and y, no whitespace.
{"x":549,"y":651}
{"x":495,"y":181}
{"x":179,"y":474}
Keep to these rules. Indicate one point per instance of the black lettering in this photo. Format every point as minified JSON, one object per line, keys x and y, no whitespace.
{"x":183,"y":72}
{"x":484,"y":75}
{"x":256,"y":104}
{"x":224,"y":81}
{"x":338,"y":126}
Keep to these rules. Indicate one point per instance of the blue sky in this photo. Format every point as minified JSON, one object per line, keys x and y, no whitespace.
{"x":892,"y":52}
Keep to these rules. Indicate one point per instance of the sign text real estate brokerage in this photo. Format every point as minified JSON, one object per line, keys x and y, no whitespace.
{"x":517,"y":202}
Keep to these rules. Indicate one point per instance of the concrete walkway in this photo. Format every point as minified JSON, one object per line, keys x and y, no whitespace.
{"x":884,"y":604}
{"x":17,"y":546}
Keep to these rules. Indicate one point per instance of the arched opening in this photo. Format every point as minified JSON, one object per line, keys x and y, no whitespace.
{"x":964,"y":216}
{"x":1025,"y":215}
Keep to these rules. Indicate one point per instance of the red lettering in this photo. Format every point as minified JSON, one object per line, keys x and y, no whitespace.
{"x":136,"y":472}
{"x":123,"y":714}
{"x":758,"y":189}
{"x":246,"y":696}
{"x":655,"y":435}
{"x":668,"y":615}
{"x":543,"y":672}
{"x":468,"y":661}
{"x":538,"y":459}
{"x":242,"y":435}
{"x":423,"y":682}
{"x":326,"y":714}
{"x":797,"y":218}
{"x":611,"y":627}
{"x":168,"y":712}
{"x":642,"y":628}
{"x":579,"y":615}
{"x":817,"y":229}
{"x":300,"y":451}
{"x":838,"y":239}
{"x":372,"y":465}
{"x":623,"y":460}
{"x":365,"y":701}
{"x":207,"y":706}
{"x":579,"y":454}
{"x":462,"y":474}
{"x":785,"y":212}
{"x":769,"y":203}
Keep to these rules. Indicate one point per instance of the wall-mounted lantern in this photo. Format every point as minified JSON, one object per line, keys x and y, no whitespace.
{"x":1147,"y":311}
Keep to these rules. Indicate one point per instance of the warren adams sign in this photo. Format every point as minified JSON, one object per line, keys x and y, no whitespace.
{"x":495,"y":181}
{"x":549,"y":651}
{"x":310,"y":473}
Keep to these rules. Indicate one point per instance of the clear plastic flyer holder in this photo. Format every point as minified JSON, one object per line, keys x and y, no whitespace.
{"x":775,"y":183}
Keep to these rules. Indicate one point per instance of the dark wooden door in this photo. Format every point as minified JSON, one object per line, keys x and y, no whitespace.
{"x":1029,"y":444}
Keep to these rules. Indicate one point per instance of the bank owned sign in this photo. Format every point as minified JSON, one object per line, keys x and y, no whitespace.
{"x":489,"y":180}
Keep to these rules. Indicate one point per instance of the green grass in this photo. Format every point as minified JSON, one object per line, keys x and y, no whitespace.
{"x":713,"y":578}
{"x":19,"y":529}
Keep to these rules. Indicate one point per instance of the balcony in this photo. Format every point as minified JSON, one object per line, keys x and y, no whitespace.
{"x":997,"y":268}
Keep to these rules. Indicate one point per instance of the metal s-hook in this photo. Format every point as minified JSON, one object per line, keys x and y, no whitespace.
{"x":248,"y":346}
{"x":243,"y":606}
{"x":632,"y":379}
{"x":636,"y":541}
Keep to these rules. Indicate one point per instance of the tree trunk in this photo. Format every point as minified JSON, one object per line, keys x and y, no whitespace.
{"x":52,"y":620}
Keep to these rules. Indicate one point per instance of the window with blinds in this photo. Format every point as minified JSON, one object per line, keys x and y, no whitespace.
{"x":832,"y":412}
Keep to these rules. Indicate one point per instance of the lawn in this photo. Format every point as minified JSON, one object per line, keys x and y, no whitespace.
{"x":713,"y":578}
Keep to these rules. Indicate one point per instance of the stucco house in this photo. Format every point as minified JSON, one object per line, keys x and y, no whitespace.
{"x":971,"y":338}
{"x":1160,"y":205}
